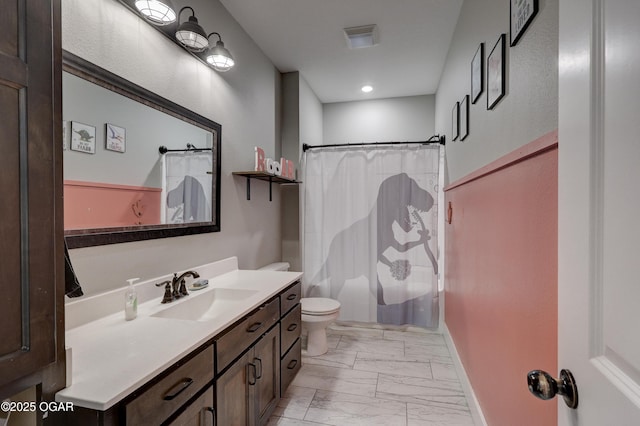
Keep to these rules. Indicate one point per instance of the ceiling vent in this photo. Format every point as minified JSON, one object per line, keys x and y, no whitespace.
{"x":364,"y":36}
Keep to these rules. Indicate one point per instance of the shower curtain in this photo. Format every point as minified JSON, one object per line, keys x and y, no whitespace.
{"x":187,"y":187}
{"x":370,"y":232}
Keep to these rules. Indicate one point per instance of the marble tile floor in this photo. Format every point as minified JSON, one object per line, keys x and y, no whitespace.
{"x":373,"y":376}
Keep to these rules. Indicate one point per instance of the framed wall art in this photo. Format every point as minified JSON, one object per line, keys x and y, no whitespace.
{"x":455,"y":121}
{"x":464,"y":117}
{"x":83,"y":138}
{"x":477,"y":74}
{"x":115,"y":138}
{"x":522,"y":13}
{"x":496,"y":73}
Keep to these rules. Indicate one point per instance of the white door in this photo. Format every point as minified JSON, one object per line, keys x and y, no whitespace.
{"x":599,"y":209}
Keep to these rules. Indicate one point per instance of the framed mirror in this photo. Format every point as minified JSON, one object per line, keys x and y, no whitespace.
{"x":136,"y":166}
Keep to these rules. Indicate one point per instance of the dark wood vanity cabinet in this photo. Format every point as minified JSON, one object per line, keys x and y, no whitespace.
{"x":249,"y":390}
{"x":31,"y":244}
{"x":165,"y":397}
{"x":290,"y":329}
{"x":235,"y":379}
{"x":267,"y":368}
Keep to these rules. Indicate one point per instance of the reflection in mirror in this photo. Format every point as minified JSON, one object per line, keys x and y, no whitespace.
{"x":118,"y":185}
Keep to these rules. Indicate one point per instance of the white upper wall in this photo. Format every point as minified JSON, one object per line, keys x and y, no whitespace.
{"x":530,"y":106}
{"x":381,"y":120}
{"x":245,"y":101}
{"x":310,"y":115}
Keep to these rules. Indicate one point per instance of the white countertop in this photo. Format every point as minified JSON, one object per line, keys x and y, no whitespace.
{"x":112,"y":357}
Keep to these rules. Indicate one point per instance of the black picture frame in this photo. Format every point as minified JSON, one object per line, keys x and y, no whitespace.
{"x":496,"y":82}
{"x":115,"y":138}
{"x":521,"y":13}
{"x":464,"y":118}
{"x":477,"y":74}
{"x":455,"y":121}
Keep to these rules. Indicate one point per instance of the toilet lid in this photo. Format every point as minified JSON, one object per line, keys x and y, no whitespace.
{"x":319,"y":305}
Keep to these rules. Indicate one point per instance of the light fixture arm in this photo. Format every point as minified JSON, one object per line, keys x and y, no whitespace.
{"x":219,"y":36}
{"x":193,"y":12}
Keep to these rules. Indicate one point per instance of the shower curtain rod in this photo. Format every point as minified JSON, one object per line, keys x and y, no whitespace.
{"x":163,"y":149}
{"x":435,"y":139}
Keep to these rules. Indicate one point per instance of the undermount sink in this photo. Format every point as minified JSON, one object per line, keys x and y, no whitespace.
{"x":205,"y":306}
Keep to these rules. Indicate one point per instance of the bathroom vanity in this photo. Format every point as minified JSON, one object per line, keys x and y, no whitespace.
{"x":222,"y":355}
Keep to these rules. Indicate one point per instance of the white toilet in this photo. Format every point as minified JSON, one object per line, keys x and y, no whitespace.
{"x":317,"y":314}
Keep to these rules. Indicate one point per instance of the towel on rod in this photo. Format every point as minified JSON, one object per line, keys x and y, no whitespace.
{"x":72,"y":287}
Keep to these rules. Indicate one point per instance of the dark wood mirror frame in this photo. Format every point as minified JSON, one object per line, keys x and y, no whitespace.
{"x":77,"y":238}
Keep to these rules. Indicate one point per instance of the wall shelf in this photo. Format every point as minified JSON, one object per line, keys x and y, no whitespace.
{"x":268,"y":177}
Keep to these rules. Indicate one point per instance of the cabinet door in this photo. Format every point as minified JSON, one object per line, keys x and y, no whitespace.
{"x":30,"y":229}
{"x":234,"y":403}
{"x":200,"y":412}
{"x":266,"y":357}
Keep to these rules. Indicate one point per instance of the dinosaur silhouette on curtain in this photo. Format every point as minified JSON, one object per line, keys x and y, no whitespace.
{"x":399,"y":200}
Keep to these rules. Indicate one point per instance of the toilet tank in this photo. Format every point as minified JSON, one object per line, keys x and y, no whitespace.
{"x":277,"y":266}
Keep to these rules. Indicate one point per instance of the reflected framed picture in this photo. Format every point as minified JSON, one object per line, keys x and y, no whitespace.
{"x":115,"y":138}
{"x":464,"y":117}
{"x":496,"y":73}
{"x":455,"y":121}
{"x":477,"y":74}
{"x":83,"y":138}
{"x":522,"y":13}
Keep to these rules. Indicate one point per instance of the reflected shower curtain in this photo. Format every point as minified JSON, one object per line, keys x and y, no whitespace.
{"x":370,"y":232}
{"x":187,"y":187}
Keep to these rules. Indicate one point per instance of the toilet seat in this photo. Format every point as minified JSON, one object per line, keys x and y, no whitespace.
{"x":319,"y":306}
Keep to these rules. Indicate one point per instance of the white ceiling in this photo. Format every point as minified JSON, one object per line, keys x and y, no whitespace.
{"x":307,"y":36}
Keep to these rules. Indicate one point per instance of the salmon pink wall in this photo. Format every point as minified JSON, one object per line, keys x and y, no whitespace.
{"x":100,"y":205}
{"x":501,"y":280}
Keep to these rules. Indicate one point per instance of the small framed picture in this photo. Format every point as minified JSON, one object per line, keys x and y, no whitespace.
{"x":114,"y":138}
{"x":455,"y":121}
{"x":495,"y":73}
{"x":464,"y":117}
{"x":477,"y":74}
{"x":83,"y":138}
{"x":522,"y":13}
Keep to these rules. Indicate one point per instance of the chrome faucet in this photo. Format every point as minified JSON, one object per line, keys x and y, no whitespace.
{"x":179,"y":287}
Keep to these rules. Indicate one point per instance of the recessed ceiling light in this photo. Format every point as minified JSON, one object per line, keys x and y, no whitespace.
{"x":366,"y":89}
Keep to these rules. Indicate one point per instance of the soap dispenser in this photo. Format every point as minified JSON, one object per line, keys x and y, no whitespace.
{"x":131,"y":301}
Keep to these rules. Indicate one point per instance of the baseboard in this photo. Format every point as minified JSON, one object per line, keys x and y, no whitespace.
{"x":474,"y":405}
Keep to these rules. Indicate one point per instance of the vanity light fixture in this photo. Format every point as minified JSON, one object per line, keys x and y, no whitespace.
{"x":367,"y":88}
{"x":158,"y":12}
{"x":219,"y":56}
{"x":190,"y":34}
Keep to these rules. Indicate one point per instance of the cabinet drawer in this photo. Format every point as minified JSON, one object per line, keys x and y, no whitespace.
{"x":290,"y":297}
{"x":290,"y":366}
{"x":240,"y":337}
{"x":290,"y":327}
{"x":158,"y":402}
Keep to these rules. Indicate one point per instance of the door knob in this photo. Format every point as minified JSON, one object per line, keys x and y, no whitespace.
{"x":543,"y":386}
